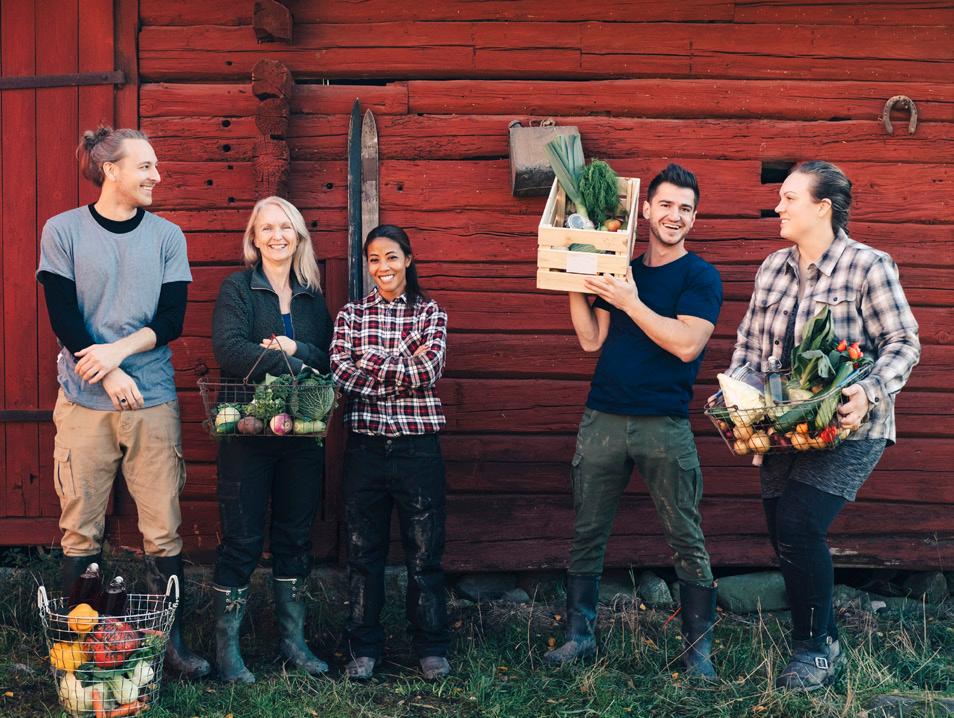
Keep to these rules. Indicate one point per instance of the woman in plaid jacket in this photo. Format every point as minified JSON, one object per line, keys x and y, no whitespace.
{"x":387,"y":355}
{"x":803,"y":492}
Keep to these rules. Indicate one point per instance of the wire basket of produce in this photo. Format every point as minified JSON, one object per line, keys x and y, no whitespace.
{"x":774,"y":412}
{"x":108,"y":666}
{"x":287,"y":405}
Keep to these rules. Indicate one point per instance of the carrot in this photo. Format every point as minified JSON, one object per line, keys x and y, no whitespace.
{"x":99,"y":701}
{"x":126,"y":709}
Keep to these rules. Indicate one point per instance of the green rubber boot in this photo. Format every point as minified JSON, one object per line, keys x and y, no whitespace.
{"x":229,"y":606}
{"x":291,"y":609}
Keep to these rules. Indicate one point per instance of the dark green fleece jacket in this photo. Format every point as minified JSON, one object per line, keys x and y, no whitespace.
{"x":247,"y":311}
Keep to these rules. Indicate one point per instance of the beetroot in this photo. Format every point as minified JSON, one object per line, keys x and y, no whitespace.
{"x":251,"y":425}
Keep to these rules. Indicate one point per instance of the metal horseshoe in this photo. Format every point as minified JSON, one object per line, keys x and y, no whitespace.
{"x":905,"y":102}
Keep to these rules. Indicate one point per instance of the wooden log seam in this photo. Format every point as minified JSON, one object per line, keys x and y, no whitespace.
{"x":271,"y":78}
{"x":271,"y":118}
{"x":273,"y":84}
{"x":272,"y":21}
{"x":271,"y":167}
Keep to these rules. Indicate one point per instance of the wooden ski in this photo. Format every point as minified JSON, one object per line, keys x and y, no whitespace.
{"x":355,"y":233}
{"x":369,"y":184}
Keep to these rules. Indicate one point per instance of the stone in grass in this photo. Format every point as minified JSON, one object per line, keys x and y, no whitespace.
{"x":674,"y":591}
{"x":845,"y":596}
{"x":929,"y":586}
{"x":894,"y":706}
{"x":485,"y":586}
{"x":516,"y":595}
{"x":653,"y":590}
{"x":899,"y":604}
{"x":949,"y":576}
{"x":615,"y":591}
{"x":751,"y":592}
{"x":543,"y":586}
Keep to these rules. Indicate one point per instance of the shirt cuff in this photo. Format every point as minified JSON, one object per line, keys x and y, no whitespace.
{"x":371,"y":360}
{"x":872,"y":388}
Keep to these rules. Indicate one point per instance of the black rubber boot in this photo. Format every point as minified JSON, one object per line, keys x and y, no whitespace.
{"x":178,"y":656}
{"x":229,"y":605}
{"x":72,"y":567}
{"x":698,"y":608}
{"x":582,"y":596}
{"x":291,"y":609}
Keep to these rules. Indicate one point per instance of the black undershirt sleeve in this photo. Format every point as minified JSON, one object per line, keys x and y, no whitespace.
{"x":170,"y":314}
{"x":67,"y":320}
{"x":64,"y":312}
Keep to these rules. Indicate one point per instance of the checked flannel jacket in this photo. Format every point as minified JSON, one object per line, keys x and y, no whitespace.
{"x":390,"y":391}
{"x":860,"y":285}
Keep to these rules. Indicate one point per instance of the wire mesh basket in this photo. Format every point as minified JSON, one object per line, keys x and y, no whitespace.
{"x":287,"y":405}
{"x":783,"y":426}
{"x":108,"y":665}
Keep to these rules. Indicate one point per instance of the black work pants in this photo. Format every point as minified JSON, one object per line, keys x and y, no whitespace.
{"x":252,"y":471}
{"x":798,"y":523}
{"x":406,"y":472}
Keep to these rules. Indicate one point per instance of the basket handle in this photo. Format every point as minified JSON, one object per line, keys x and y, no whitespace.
{"x":274,"y":339}
{"x":173,"y":581}
{"x":41,"y":598}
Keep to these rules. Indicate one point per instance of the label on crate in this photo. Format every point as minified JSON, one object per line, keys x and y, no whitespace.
{"x":581,"y":262}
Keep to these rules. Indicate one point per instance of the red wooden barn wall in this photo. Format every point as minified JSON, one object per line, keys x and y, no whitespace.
{"x":727,"y":88}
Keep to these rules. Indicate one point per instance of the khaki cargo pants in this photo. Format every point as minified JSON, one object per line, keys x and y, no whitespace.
{"x":663,"y":450}
{"x":91,"y":446}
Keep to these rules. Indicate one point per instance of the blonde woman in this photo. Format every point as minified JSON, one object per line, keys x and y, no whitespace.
{"x":278,"y":293}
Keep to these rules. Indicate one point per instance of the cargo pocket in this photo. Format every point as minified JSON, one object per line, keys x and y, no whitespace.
{"x":181,"y":468}
{"x":576,"y":469}
{"x":689,"y":488}
{"x":63,"y":472}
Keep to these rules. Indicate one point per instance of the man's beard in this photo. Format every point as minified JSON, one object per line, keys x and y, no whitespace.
{"x":663,"y":240}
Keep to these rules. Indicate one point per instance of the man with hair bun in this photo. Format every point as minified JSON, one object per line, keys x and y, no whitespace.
{"x":115,"y":279}
{"x":651,"y":329}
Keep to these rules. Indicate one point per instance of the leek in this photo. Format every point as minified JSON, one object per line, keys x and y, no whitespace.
{"x":566,"y":157}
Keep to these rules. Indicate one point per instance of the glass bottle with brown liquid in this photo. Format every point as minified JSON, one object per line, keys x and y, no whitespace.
{"x":87,"y":587}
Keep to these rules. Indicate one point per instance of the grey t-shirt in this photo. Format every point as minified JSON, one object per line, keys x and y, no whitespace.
{"x":118,"y":278}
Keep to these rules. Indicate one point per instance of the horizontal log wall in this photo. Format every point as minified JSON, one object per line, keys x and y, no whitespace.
{"x":727,"y":88}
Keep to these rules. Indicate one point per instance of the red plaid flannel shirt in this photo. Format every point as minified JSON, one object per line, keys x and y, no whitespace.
{"x":390,"y":391}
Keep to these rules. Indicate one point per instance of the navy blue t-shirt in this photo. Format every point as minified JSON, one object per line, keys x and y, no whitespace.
{"x":634,"y":375}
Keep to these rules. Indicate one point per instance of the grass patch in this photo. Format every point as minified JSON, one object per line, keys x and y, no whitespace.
{"x":498,"y":664}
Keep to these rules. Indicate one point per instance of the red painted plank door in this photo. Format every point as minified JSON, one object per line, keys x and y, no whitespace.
{"x":39,"y":130}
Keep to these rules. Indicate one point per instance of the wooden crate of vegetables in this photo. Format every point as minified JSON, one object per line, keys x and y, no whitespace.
{"x":797,"y":410}
{"x":588,"y":226}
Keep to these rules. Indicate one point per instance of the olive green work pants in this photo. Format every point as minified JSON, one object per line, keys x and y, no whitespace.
{"x":663,"y":450}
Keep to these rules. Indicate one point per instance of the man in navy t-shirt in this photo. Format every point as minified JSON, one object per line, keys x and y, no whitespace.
{"x":652,"y":328}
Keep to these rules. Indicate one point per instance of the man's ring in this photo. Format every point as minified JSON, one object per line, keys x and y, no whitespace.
{"x":123,"y":400}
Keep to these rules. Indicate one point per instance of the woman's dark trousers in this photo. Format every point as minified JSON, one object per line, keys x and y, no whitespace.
{"x":251,"y":471}
{"x":798,"y":523}
{"x":406,"y":472}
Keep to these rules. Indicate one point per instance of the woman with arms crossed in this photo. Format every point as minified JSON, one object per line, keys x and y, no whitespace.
{"x":387,"y":356}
